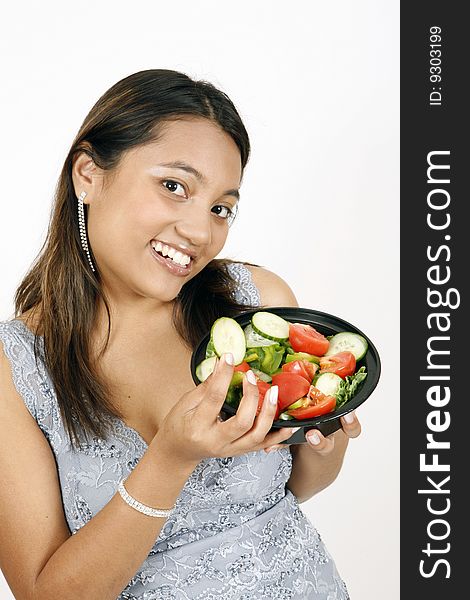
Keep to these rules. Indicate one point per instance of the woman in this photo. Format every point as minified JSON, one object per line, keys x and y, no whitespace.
{"x":99,"y":411}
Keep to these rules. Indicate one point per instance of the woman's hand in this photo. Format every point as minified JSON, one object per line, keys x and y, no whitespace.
{"x":316,"y":464}
{"x":193,"y":430}
{"x":324,"y":445}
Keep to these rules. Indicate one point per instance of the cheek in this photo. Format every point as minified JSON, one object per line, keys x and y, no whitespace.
{"x":219,"y":237}
{"x":140,"y":220}
{"x":145,"y":214}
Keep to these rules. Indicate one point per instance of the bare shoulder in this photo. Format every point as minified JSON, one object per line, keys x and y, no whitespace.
{"x":273,"y":289}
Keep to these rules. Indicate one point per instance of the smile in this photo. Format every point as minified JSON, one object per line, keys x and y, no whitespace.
{"x":171,"y":265}
{"x":167,"y":251}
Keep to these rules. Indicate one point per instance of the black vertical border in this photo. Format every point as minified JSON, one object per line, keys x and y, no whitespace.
{"x":423,"y":129}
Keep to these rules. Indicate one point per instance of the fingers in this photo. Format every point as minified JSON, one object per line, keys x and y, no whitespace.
{"x":276,"y":447}
{"x":325,"y":445}
{"x":273,"y":439}
{"x":245,"y":416}
{"x":279,"y":446}
{"x":261,"y":435}
{"x":320,"y":443}
{"x":215,"y":387}
{"x":315,"y":439}
{"x":266,"y":416}
{"x":351,"y":425}
{"x":251,"y":432}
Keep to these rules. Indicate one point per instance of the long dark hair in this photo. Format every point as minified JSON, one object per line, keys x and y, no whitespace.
{"x":60,"y":286}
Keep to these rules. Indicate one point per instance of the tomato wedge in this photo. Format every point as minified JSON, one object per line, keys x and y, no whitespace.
{"x":342,"y":363}
{"x":263,"y":387}
{"x":302,"y":367}
{"x":316,"y":403}
{"x":304,"y":338}
{"x":291,"y":387}
{"x":243,"y":366}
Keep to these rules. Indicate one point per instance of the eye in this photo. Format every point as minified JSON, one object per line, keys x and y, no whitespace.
{"x":173,"y":184}
{"x":228,"y":214}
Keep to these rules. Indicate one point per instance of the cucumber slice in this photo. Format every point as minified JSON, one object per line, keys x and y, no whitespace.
{"x":328,"y":383}
{"x":262,"y":375}
{"x":270,"y":326}
{"x":285,"y":417}
{"x":228,"y":336}
{"x":253,"y":339}
{"x":347,"y":341}
{"x":205,"y":368}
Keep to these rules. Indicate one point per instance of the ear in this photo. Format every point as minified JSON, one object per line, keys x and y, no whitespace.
{"x":86,"y":176}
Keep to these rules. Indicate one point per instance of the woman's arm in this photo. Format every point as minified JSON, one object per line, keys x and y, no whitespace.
{"x":39,"y":557}
{"x":315,"y":465}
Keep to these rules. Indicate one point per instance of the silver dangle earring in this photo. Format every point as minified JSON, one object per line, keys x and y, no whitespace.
{"x":81,"y":224}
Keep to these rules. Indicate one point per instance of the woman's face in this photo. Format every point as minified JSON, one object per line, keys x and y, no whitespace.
{"x":144,"y":201}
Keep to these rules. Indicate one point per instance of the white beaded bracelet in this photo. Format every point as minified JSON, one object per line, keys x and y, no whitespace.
{"x":143,"y":508}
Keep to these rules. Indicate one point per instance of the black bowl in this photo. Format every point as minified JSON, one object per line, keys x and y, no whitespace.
{"x":327,"y":325}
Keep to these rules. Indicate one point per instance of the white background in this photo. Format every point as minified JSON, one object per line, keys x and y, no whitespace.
{"x":317,"y":85}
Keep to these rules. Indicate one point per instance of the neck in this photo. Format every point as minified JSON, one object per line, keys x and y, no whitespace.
{"x":136,"y":324}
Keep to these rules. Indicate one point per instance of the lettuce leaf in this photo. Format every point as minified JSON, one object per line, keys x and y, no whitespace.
{"x":348,"y":387}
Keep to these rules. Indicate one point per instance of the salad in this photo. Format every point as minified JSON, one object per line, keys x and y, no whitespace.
{"x":315,"y":374}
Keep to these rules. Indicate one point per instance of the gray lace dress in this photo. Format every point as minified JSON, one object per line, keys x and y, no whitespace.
{"x":237,"y":532}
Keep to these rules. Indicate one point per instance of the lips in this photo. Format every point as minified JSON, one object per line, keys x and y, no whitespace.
{"x":172,"y":266}
{"x":169,"y":253}
{"x":178,"y":247}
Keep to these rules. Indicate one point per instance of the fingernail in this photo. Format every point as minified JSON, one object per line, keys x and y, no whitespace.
{"x":294,"y":429}
{"x":349,"y":418}
{"x":273,"y":390}
{"x":228,"y":357}
{"x":313,"y":438}
{"x":251,"y":377}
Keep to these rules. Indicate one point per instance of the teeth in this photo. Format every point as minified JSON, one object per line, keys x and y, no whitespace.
{"x":176,"y":255}
{"x":179,"y":257}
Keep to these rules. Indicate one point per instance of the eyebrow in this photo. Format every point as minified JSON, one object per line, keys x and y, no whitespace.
{"x":183,"y":166}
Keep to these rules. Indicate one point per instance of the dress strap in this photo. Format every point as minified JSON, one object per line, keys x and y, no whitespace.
{"x":29,"y":376}
{"x":246,"y":292}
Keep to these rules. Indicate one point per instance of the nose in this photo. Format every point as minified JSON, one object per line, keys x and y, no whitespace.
{"x":196,"y":226}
